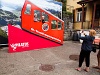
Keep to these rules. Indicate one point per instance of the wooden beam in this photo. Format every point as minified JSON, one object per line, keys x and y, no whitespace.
{"x":82,"y":14}
{"x":94,"y":10}
{"x":84,"y":1}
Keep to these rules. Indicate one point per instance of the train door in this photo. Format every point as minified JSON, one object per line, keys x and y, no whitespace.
{"x":26,"y":16}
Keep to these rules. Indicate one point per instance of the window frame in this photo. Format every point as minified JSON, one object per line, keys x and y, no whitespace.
{"x":79,"y":16}
{"x":38,"y":16}
{"x":28,"y":12}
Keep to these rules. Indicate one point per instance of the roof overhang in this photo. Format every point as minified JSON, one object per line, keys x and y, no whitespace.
{"x":84,"y":1}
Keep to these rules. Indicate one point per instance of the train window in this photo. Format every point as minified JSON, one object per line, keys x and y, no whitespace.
{"x":28,"y":9}
{"x":59,"y":25}
{"x":45,"y":17}
{"x":37,"y":15}
{"x":53,"y":24}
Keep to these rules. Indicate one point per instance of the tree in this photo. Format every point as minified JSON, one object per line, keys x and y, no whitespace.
{"x":63,"y":4}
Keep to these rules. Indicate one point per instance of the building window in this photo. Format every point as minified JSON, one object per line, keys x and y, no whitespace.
{"x":79,"y":16}
{"x":97,"y":15}
{"x":28,"y":9}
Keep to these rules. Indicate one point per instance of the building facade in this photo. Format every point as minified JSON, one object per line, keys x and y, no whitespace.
{"x":86,"y":13}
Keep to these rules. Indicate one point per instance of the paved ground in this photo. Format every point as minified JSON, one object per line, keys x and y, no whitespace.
{"x":30,"y":62}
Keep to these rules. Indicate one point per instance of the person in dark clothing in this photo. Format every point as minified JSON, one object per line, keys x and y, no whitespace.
{"x":43,"y":21}
{"x":86,"y":49}
{"x":98,"y":59}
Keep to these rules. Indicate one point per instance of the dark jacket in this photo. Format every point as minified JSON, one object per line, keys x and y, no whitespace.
{"x":87,"y":42}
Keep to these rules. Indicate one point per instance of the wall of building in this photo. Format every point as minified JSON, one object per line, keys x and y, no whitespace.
{"x":72,"y":4}
{"x":89,"y":12}
{"x":88,"y":18}
{"x":77,"y":25}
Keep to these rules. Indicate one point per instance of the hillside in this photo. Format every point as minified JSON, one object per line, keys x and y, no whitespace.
{"x":6,"y":17}
{"x":7,"y":14}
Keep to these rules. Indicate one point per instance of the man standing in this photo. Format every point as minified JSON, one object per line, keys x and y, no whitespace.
{"x":98,"y":59}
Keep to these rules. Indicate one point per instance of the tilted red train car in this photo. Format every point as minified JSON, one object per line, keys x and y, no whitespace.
{"x":41,"y":22}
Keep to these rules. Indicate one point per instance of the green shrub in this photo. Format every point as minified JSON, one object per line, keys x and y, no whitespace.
{"x":2,"y":33}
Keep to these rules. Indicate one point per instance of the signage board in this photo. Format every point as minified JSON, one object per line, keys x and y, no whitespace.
{"x":26,"y":24}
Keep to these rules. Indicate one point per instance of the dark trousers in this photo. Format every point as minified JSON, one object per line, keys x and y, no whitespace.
{"x":84,"y":55}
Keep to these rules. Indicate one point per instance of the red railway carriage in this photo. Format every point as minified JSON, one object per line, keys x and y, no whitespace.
{"x":42,"y":23}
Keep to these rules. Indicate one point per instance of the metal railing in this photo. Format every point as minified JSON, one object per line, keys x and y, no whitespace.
{"x":96,"y":23}
{"x":86,"y":25}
